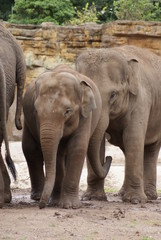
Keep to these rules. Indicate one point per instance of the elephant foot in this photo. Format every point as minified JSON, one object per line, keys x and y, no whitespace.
{"x":151,"y":194}
{"x":54,"y":200}
{"x":1,"y":201}
{"x":42,"y":204}
{"x":134,"y":197}
{"x":7,"y":197}
{"x":121,"y":191}
{"x":70,"y":202}
{"x":95,"y":190}
{"x":94,"y":194}
{"x":1,"y":196}
{"x":53,"y":203}
{"x":35,"y":195}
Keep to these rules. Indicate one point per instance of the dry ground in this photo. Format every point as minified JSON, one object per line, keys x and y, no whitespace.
{"x":111,"y":220}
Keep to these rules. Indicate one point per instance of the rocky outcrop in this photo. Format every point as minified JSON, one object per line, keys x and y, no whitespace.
{"x":48,"y":45}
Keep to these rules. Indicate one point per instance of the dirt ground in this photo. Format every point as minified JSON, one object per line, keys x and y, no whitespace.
{"x":112,"y":220}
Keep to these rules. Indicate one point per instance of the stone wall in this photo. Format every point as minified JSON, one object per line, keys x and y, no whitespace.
{"x":48,"y":45}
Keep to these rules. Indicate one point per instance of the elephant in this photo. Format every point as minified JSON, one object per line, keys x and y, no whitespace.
{"x":129,"y":80}
{"x":12,"y":74}
{"x":61,"y":110}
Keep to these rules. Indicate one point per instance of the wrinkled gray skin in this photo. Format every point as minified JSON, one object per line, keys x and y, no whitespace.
{"x":61,"y":111}
{"x":12,"y":73}
{"x":129,"y":80}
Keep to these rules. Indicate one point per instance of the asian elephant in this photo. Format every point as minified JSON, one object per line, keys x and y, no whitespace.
{"x":129,"y":80}
{"x":61,"y":110}
{"x":12,"y":75}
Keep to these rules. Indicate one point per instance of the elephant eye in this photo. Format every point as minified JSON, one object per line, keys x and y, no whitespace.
{"x":112,"y":96}
{"x":68,"y":112}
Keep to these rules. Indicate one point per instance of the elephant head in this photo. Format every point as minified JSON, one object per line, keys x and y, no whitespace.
{"x":115,"y":76}
{"x":62,"y":100}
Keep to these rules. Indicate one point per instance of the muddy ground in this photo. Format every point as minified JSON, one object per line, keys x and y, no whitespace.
{"x":112,"y":220}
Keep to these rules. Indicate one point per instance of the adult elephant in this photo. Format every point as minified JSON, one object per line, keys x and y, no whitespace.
{"x":12,"y":73}
{"x":61,"y":110}
{"x":129,"y":80}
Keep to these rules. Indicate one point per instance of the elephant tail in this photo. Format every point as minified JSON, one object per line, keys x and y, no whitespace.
{"x":11,"y":165}
{"x":3,"y":118}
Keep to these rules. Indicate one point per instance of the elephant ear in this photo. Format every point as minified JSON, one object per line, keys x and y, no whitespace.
{"x":37,"y":85}
{"x":133,"y":76}
{"x":88,"y":101}
{"x":36,"y":88}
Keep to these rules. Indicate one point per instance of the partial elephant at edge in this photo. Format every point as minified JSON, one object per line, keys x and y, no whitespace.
{"x":12,"y":77}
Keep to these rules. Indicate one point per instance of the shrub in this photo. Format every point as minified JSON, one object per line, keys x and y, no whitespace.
{"x":137,"y":10}
{"x":88,"y":14}
{"x":36,"y":12}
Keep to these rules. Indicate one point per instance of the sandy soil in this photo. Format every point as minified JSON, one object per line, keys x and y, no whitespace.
{"x":95,"y":220}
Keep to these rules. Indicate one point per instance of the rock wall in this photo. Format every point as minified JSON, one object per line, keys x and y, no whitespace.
{"x":48,"y":45}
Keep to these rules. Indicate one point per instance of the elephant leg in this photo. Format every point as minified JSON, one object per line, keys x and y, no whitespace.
{"x":1,"y":189}
{"x":122,"y":189}
{"x":95,"y":189}
{"x":150,"y":167}
{"x":134,"y":153}
{"x":34,"y":160}
{"x":76,"y":153}
{"x":60,"y":172}
{"x":6,"y":180}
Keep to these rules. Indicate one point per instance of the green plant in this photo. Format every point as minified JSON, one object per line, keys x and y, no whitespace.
{"x":133,"y":223}
{"x":88,"y":14}
{"x":137,"y":10}
{"x":159,"y":191}
{"x":52,"y":225}
{"x":153,"y":223}
{"x":147,"y":238}
{"x":88,"y":238}
{"x":5,"y":9}
{"x":36,"y":11}
{"x":103,"y":7}
{"x":110,"y":190}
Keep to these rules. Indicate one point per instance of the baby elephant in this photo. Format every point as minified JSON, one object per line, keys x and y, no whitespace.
{"x":61,"y":111}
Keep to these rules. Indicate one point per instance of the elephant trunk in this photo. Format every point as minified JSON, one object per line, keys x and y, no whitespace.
{"x":100,"y":168}
{"x":96,"y":150}
{"x":49,"y":143}
{"x":3,"y":116}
